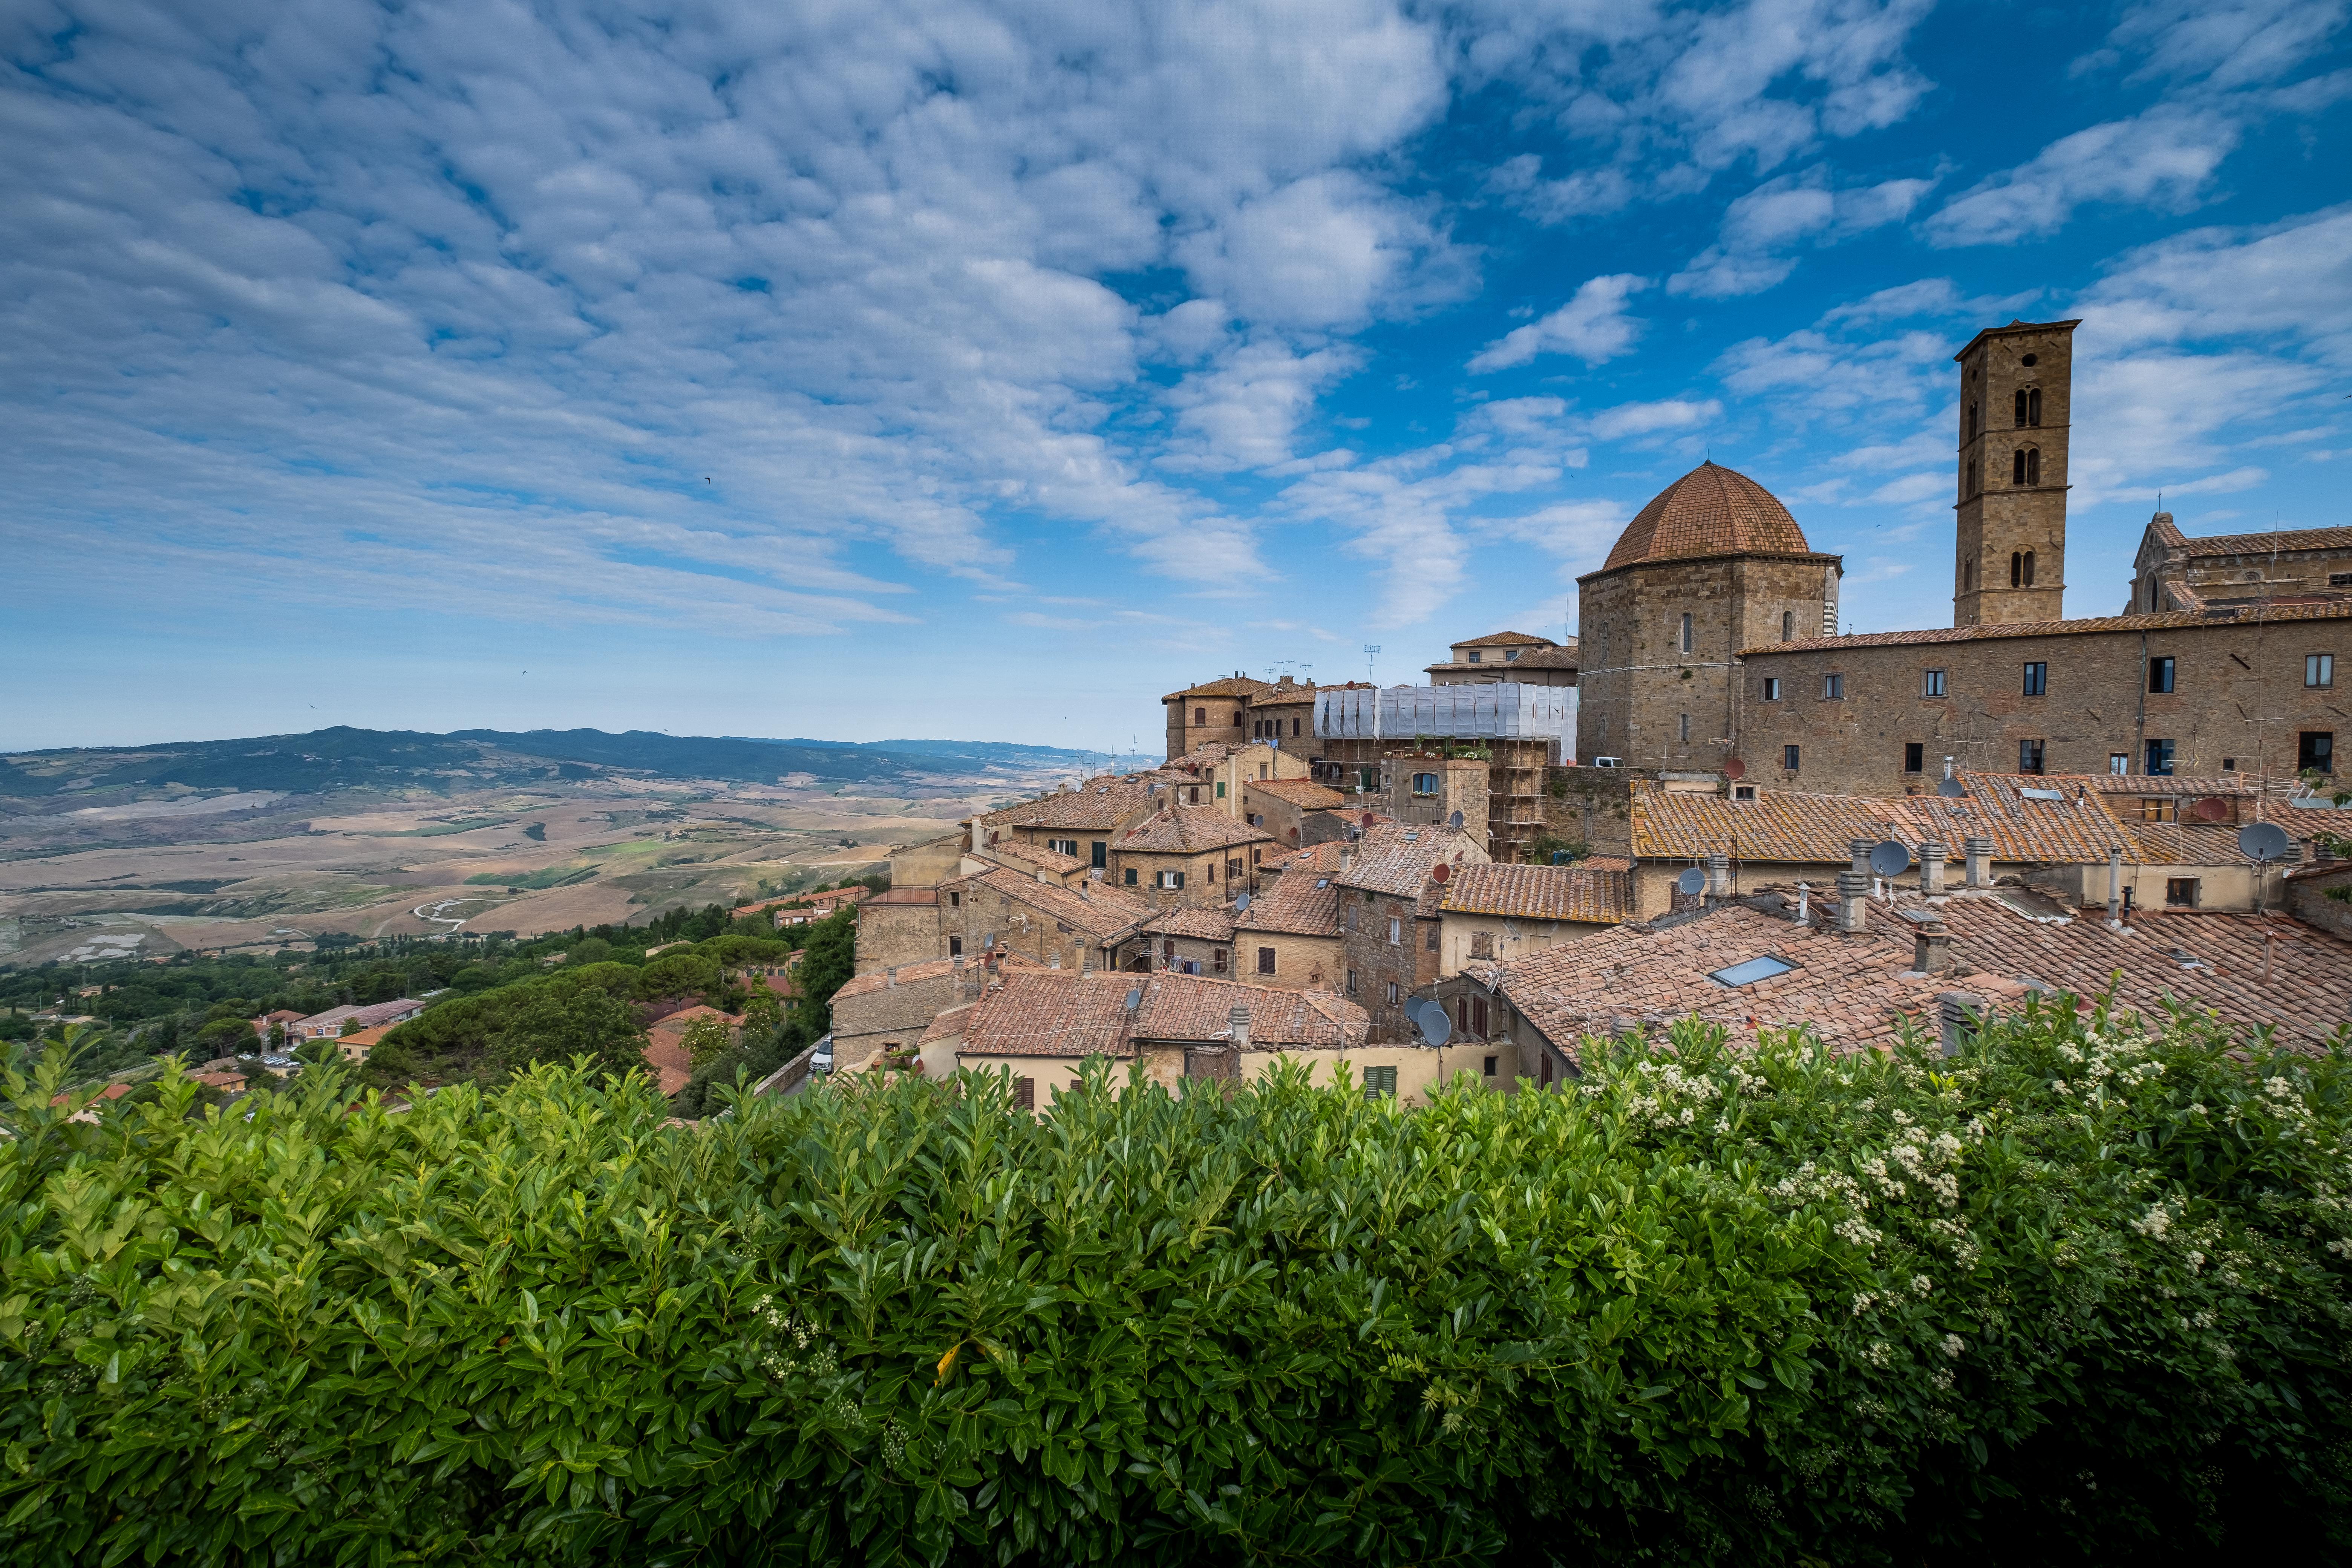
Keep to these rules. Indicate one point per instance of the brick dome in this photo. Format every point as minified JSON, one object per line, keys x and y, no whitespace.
{"x":1711,"y":510}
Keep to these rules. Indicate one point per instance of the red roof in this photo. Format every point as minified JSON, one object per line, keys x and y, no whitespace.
{"x":1711,"y":510}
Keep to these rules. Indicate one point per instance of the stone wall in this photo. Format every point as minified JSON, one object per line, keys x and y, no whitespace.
{"x":1594,"y":804}
{"x":2307,"y":900}
{"x":2238,"y":702}
{"x":892,"y":933}
{"x":1300,"y":962}
{"x":1408,"y":963}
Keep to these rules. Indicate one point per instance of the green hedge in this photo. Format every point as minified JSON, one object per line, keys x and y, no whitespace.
{"x":2077,"y":1296}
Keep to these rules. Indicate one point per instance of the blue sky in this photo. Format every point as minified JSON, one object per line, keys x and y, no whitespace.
{"x":932,"y":368}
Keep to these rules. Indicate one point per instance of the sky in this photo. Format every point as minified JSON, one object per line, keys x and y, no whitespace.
{"x":938,"y":369}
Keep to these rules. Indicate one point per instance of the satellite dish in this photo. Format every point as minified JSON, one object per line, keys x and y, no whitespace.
{"x":1440,"y":871}
{"x":1241,"y":903}
{"x":2264,"y":841}
{"x":1134,"y":998}
{"x":1368,"y":819}
{"x":2213,"y":808}
{"x":1890,"y":859}
{"x":1952,"y":789}
{"x":1455,"y":821}
{"x":1734,"y":769}
{"x":1434,"y":1026}
{"x":1693,"y":883}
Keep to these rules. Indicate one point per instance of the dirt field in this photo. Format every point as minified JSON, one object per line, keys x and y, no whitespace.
{"x":263,"y":869}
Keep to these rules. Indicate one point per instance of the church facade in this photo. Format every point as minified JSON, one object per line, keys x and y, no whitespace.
{"x":1709,"y":634}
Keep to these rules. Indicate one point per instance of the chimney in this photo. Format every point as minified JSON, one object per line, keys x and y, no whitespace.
{"x":1931,"y":948}
{"x":1718,"y":875}
{"x":1804,"y":903}
{"x":1980,"y":853}
{"x":890,"y":977}
{"x":1347,"y":859}
{"x":1957,"y":1013}
{"x":1239,"y":1018}
{"x":2115,"y":887}
{"x":1931,"y":867}
{"x":1853,"y":897}
{"x":1861,"y":849}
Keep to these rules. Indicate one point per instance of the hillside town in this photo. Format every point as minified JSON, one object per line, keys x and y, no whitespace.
{"x":1709,"y":803}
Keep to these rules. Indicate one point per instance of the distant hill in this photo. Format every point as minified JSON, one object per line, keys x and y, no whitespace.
{"x":347,"y":758}
{"x":1000,"y":753}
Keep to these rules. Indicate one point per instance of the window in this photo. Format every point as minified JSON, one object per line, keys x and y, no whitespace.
{"x":1972,"y":421}
{"x":2319,"y":670}
{"x":1392,"y":992}
{"x":1213,"y":870}
{"x":2025,"y":466}
{"x":1478,"y":1017}
{"x":1171,"y":878}
{"x":1510,"y":655}
{"x":2339,"y":579}
{"x":1771,"y":688}
{"x":1685,"y":641}
{"x":1266,"y":961}
{"x":1199,"y":715}
{"x":1490,"y":1067}
{"x":1293,"y":727}
{"x":1751,"y":971}
{"x":2118,"y":763}
{"x":1396,"y":930}
{"x":1167,"y":951}
{"x":1219,"y":962}
{"x":1380,"y":1083}
{"x":2028,"y":408}
{"x":955,"y":901}
{"x":1743,"y":791}
{"x":2029,"y":756}
{"x":2314,"y":752}
{"x":1425,"y":784}
{"x":1024,"y":1094}
{"x":1130,"y":878}
{"x":1788,"y":626}
{"x":1833,"y":688}
{"x":1429,"y":936}
{"x":1369,"y":778}
{"x":1482,"y":944}
{"x":2159,"y":811}
{"x":1100,"y":857}
{"x":1064,"y":846}
{"x":2037,"y":679}
{"x":2158,"y":763}
{"x":1238,"y":718}
{"x":1914,"y":756}
{"x":2029,"y":569}
{"x":2159,"y":674}
{"x":1233,"y":868}
{"x":1474,"y":655}
{"x":1931,"y":683}
{"x":1685,"y":726}
{"x":955,"y":947}
{"x":1352,"y":983}
{"x":1788,"y":758}
{"x":1220,"y":789}
{"x":1968,"y":575}
{"x":2180,"y":893}
{"x":2016,"y":568}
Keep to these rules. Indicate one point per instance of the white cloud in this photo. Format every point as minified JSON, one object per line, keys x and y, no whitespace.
{"x":2291,"y":279}
{"x":1592,"y":326}
{"x":2162,"y":159}
{"x":1928,"y":296}
{"x":1243,"y":413}
{"x":1327,"y":250}
{"x":2234,"y":43}
{"x":1760,"y":228}
{"x":1651,"y":418}
{"x":2156,"y":421}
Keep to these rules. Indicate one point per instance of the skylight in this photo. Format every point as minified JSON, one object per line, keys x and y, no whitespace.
{"x":1752,"y":970}
{"x":2042,"y":794}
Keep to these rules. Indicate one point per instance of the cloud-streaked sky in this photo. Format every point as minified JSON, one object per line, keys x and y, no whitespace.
{"x":920,"y":367}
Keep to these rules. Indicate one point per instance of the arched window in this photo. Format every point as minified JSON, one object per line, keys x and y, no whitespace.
{"x":2029,"y":569}
{"x":1967,"y":575}
{"x":2033,"y":408}
{"x":1687,"y":634}
{"x":2016,"y":569}
{"x":1972,"y":422}
{"x":2021,"y":407}
{"x":2034,"y":465}
{"x":2017,"y":467}
{"x":1788,"y":626}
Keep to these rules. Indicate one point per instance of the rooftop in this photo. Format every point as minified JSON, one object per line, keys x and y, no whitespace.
{"x":929,"y":969}
{"x":1189,"y":830}
{"x":1099,"y":805}
{"x":1301,"y":901}
{"x":1711,"y":510}
{"x":1304,"y":794}
{"x":1100,"y":911}
{"x":1209,"y":923}
{"x":1540,"y":893}
{"x":1227,"y":686}
{"x":1395,"y":858}
{"x":2160,"y":620}
{"x":1502,"y":639}
{"x":1057,"y":1013}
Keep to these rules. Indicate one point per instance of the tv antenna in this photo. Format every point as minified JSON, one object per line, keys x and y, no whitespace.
{"x":1372,"y":651}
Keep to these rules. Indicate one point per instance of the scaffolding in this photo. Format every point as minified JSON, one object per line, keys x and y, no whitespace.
{"x":1505,"y":710}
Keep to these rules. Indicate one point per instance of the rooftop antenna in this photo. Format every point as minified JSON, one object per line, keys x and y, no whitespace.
{"x":1372,"y":651}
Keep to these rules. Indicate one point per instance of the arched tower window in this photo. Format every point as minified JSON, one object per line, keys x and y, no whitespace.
{"x":1788,"y":626}
{"x":1967,"y":575}
{"x":1972,"y":422}
{"x":1687,"y":634}
{"x":2017,"y":569}
{"x":2025,"y":466}
{"x":2033,"y":408}
{"x":2029,"y":569}
{"x":2021,"y":407}
{"x":2017,"y":467}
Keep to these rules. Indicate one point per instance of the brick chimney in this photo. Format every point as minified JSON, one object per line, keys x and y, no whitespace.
{"x":1931,"y":948}
{"x":2115,"y":887}
{"x":1980,"y":853}
{"x":1931,"y":867}
{"x":1957,"y":1014}
{"x":1853,"y":897}
{"x":1718,"y":874}
{"x":1239,"y":1019}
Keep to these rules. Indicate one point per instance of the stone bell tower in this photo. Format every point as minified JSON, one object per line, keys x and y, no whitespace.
{"x":2016,"y":390}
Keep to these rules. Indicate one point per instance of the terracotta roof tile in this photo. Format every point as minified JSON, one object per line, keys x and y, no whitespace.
{"x":1539,"y":893}
{"x":1100,"y":911}
{"x":1496,"y":639}
{"x":1395,"y":858}
{"x":2181,"y":785}
{"x":1099,"y":806}
{"x":2162,"y":620}
{"x":1301,"y":901}
{"x":1058,"y":1014}
{"x":1711,"y":510}
{"x":932,"y":969}
{"x":1208,"y":923}
{"x":1189,"y":830}
{"x":2263,"y":543}
{"x":1229,"y":686}
{"x":1304,"y":794}
{"x":1034,"y":855}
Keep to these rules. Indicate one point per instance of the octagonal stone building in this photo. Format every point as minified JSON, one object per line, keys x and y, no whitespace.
{"x":1713,"y":565}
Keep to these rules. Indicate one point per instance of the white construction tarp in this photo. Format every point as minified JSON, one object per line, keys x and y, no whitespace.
{"x":1502,"y":712}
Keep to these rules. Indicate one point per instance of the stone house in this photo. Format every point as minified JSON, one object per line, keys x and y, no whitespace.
{"x":1508,"y":655}
{"x":930,"y":862}
{"x":1079,"y":823}
{"x":1195,"y":939}
{"x":1281,"y":806}
{"x":898,"y":927}
{"x":1858,"y":971}
{"x":1497,"y":913}
{"x":1092,"y":925}
{"x":894,"y":1005}
{"x":2286,"y":566}
{"x":1189,"y":855}
{"x":1288,"y":937}
{"x":1390,"y":927}
{"x":1212,"y":711}
{"x":1040,"y":1030}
